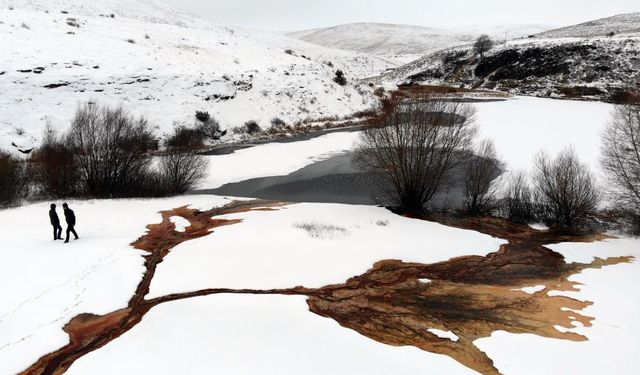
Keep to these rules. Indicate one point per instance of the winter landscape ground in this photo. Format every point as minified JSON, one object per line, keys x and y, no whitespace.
{"x":197,"y":283}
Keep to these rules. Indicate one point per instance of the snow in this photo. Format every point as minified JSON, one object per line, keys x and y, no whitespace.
{"x":167,"y":74}
{"x":44,"y":284}
{"x":524,"y":126}
{"x":398,"y":43}
{"x":539,"y":227}
{"x":532,"y":289}
{"x":231,"y":334}
{"x":180,"y":223}
{"x":274,"y":159}
{"x":613,"y":346}
{"x":154,"y":11}
{"x":268,"y":251}
{"x":520,"y":127}
{"x":444,"y":334}
{"x":621,"y":24}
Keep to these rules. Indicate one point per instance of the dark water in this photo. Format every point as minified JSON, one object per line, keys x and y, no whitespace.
{"x":334,"y":180}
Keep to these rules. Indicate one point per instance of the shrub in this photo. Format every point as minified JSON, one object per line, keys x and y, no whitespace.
{"x":482,"y":45}
{"x":112,"y":151}
{"x":320,"y":230}
{"x":53,"y":168}
{"x":517,"y":204}
{"x":252,"y":127}
{"x":184,"y":138}
{"x":480,"y":172}
{"x":203,"y":116}
{"x":132,"y":41}
{"x":415,"y":148}
{"x":209,"y":127}
{"x":565,"y":190}
{"x":621,"y":160}
{"x":180,"y":171}
{"x":277,"y":122}
{"x":12,"y":179}
{"x":339,"y":78}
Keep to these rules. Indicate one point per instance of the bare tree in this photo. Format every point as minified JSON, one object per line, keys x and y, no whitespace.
{"x":180,"y":171}
{"x":12,"y":179}
{"x":415,"y":148}
{"x":517,"y":203}
{"x":565,"y":190}
{"x":112,"y":150}
{"x":482,"y":45}
{"x":481,"y":171}
{"x":53,"y":167}
{"x":621,"y":157}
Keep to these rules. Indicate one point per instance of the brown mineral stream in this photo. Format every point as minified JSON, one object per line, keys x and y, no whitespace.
{"x":470,"y":296}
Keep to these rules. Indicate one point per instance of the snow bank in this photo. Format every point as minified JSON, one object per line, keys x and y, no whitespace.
{"x":230,"y":334}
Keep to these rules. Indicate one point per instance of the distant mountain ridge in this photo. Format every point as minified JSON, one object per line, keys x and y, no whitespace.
{"x":628,"y":24}
{"x":384,"y":39}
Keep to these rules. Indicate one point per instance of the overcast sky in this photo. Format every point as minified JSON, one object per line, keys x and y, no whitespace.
{"x":289,"y":15}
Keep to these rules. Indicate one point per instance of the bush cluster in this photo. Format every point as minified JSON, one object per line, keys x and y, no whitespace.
{"x":107,"y":153}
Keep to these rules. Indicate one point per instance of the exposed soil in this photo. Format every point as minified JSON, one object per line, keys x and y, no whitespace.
{"x":392,"y":303}
{"x":90,"y":332}
{"x":470,"y":296}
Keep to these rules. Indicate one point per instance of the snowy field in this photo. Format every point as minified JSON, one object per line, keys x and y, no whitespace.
{"x":48,"y":283}
{"x":271,"y":335}
{"x":269,"y":251}
{"x":44,"y":284}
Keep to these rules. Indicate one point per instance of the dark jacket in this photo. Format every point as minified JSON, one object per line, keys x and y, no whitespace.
{"x":69,"y":216}
{"x":53,"y":216}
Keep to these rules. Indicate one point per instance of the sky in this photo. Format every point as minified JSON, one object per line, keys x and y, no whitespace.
{"x":291,"y":15}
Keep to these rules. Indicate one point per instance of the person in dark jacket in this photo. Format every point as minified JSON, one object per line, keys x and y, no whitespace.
{"x":55,"y":222}
{"x":70,"y":217}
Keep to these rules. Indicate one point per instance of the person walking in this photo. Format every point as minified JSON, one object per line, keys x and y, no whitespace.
{"x":55,"y":222}
{"x":70,"y":217}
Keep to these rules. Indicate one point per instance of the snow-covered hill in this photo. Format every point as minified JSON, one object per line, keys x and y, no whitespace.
{"x":626,"y":24}
{"x":155,"y":11}
{"x":50,"y":61}
{"x":569,"y":67}
{"x":501,"y":32}
{"x":400,"y":43}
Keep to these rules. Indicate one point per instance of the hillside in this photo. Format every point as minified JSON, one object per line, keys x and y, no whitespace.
{"x":510,"y":31}
{"x":595,"y":68}
{"x":50,"y":61}
{"x":400,"y":43}
{"x":155,"y":11}
{"x":625,"y":24}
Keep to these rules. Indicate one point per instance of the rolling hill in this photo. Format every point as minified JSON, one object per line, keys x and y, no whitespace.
{"x":164,"y":64}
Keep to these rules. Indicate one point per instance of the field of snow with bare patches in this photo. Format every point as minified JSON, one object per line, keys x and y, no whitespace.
{"x":45,"y":283}
{"x":613,"y":345}
{"x":273,"y":250}
{"x":50,"y":62}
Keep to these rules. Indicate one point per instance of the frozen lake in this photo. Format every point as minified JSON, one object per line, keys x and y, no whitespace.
{"x":319,"y":169}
